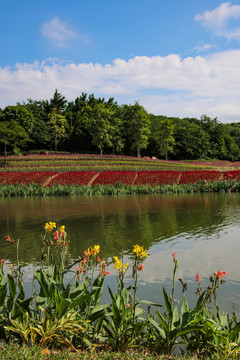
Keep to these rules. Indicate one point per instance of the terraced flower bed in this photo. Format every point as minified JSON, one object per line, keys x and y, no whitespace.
{"x":25,"y":178}
{"x":153,"y":178}
{"x":232,"y":175}
{"x":113,"y":177}
{"x":196,"y":176}
{"x":73,"y":178}
{"x":158,"y":177}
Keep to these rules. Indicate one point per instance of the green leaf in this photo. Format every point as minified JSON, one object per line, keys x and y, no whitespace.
{"x":157,"y":328}
{"x":63,"y":307}
{"x":149,"y":303}
{"x":12,"y":285}
{"x":167,"y":302}
{"x":175,"y":318}
{"x":98,"y":312}
{"x":3,"y":293}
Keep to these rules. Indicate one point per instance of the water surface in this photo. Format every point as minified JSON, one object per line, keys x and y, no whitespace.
{"x":202,"y":228}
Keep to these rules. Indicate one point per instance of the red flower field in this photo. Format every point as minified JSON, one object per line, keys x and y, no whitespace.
{"x":113,"y":177}
{"x":232,"y":175}
{"x":195,"y":176}
{"x":73,"y":178}
{"x":157,"y":177}
{"x":25,"y":178}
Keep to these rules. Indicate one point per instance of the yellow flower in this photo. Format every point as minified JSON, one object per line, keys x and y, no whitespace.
{"x":96,"y":249}
{"x":50,"y":226}
{"x":119,"y":265}
{"x":62,"y":229}
{"x":139,"y":251}
{"x":93,"y":251}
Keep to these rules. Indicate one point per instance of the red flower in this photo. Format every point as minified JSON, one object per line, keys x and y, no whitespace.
{"x":174,"y":255}
{"x":197,"y":278}
{"x":141,"y":267}
{"x":106,"y":273}
{"x":8,"y":238}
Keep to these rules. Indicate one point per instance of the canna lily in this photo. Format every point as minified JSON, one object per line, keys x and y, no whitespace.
{"x":219,"y":274}
{"x":93,"y":251}
{"x":62,"y":229}
{"x":50,"y":226}
{"x":119,"y":265}
{"x":139,"y":251}
{"x":197,"y":278}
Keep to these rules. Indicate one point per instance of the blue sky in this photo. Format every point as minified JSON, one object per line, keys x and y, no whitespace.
{"x":177,"y":58}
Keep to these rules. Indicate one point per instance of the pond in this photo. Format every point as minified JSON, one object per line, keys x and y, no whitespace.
{"x":202,"y":228}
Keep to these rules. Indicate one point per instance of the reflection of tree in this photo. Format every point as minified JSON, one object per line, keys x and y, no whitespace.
{"x":115,"y":224}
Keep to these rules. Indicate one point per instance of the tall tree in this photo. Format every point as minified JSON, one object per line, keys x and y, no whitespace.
{"x":57,"y":123}
{"x":40,"y":133}
{"x":192,"y":142}
{"x":137,"y":124}
{"x":99,"y":126}
{"x":161,"y":137}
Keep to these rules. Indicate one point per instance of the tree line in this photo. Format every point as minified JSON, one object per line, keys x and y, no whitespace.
{"x":90,"y":125}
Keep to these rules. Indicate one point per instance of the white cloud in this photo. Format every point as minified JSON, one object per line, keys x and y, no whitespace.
{"x":169,"y":85}
{"x":219,"y":20}
{"x":204,"y":47}
{"x":58,"y":31}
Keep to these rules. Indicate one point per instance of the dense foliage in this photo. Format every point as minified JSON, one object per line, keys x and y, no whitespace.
{"x":91,"y":125}
{"x":65,"y":308}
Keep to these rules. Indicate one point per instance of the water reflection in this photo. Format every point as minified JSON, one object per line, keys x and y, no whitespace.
{"x":202,"y":228}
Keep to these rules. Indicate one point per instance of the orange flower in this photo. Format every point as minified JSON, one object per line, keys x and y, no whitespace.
{"x":174,"y":255}
{"x":219,"y":274}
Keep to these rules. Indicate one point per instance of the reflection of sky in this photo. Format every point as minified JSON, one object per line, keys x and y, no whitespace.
{"x":202,"y":228}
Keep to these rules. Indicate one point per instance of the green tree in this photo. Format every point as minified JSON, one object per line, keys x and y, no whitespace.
{"x":77,"y":114}
{"x":191,"y":141}
{"x":137,"y":124}
{"x":13,"y":135}
{"x":40,"y":134}
{"x":117,"y":129}
{"x":57,"y":123}
{"x":19,"y":114}
{"x":161,"y":138}
{"x":99,"y":126}
{"x":58,"y":102}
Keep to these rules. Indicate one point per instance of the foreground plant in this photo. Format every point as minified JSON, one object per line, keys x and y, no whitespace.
{"x":70,"y":313}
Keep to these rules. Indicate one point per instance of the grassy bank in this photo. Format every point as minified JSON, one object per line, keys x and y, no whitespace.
{"x":117,"y":189}
{"x":16,"y":352}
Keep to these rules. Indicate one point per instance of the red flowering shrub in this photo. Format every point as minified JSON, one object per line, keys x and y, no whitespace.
{"x":73,"y":178}
{"x":113,"y":177}
{"x":232,"y":175}
{"x":25,"y":178}
{"x":195,"y":176}
{"x":157,"y":177}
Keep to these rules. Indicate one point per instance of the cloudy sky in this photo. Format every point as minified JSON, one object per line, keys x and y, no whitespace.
{"x":177,"y":58}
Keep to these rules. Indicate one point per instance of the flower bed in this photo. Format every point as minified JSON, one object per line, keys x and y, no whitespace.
{"x":25,"y":178}
{"x":195,"y":176}
{"x":157,"y":177}
{"x":113,"y":177}
{"x":73,"y":178}
{"x":232,"y":175}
